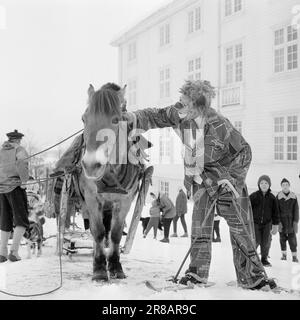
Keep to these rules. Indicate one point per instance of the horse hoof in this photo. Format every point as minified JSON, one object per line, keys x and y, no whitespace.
{"x":117,"y":275}
{"x":100,"y":276}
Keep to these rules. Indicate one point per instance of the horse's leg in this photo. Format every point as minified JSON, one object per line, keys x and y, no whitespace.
{"x":118,"y":218}
{"x":98,"y":232}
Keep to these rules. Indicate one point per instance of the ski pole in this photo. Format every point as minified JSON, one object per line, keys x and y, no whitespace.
{"x":175,"y":279}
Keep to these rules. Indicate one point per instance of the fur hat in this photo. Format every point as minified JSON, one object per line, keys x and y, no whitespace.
{"x":284,"y":180}
{"x":15,"y":135}
{"x":265,"y":178}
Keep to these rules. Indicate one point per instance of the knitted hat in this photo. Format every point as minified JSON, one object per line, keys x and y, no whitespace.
{"x":284,"y":180}
{"x":15,"y":135}
{"x":265,"y":178}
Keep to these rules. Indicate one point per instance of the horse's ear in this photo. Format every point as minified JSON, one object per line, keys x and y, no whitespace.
{"x":123,"y":90}
{"x":91,"y":90}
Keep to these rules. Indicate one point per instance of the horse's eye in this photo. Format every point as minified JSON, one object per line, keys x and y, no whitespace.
{"x":115,"y":120}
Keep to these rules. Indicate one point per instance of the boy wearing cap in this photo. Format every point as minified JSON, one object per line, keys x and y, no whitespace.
{"x":13,"y":198}
{"x":265,"y":216}
{"x":288,"y":217}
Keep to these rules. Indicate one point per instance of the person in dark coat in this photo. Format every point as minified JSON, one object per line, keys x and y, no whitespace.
{"x":168,"y":213}
{"x":265,"y":216}
{"x":289,"y":218}
{"x":154,"y":216}
{"x":13,"y":198}
{"x":181,"y":210}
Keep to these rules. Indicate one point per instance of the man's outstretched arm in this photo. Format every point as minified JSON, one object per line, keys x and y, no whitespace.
{"x":152,"y":118}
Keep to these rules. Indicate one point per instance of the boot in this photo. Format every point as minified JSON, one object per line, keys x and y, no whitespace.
{"x":174,"y":235}
{"x":283,"y":257}
{"x":185,"y":235}
{"x":3,"y":248}
{"x":13,"y":256}
{"x":264,"y":283}
{"x":166,"y":240}
{"x":191,"y":277}
{"x":218,"y":239}
{"x":265,"y":262}
{"x":18,"y":235}
{"x":295,"y":259}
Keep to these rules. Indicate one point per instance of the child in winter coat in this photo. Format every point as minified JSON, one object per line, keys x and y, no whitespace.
{"x":288,"y":217}
{"x":265,"y":216}
{"x":154,"y":216}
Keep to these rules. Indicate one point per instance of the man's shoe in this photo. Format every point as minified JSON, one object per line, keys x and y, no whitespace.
{"x":13,"y":258}
{"x":283,"y":257}
{"x":174,"y":235}
{"x":165,"y":240}
{"x":265,"y":283}
{"x":191,"y":277}
{"x":295,"y":259}
{"x":185,"y":235}
{"x":265,"y":262}
{"x":2,"y":259}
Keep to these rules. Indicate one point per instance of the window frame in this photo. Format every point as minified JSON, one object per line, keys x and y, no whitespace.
{"x":285,"y":135}
{"x":284,"y":47}
{"x":194,"y":20}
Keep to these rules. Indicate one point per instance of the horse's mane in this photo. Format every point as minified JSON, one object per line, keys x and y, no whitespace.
{"x":105,"y":101}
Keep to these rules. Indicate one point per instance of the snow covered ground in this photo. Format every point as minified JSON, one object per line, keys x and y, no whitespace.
{"x":148,"y":260}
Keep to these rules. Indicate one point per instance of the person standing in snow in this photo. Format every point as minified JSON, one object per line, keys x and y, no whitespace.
{"x":154,"y":216}
{"x":216,"y":162}
{"x":13,"y":198}
{"x":289,"y":218}
{"x":168,"y":213}
{"x":265,"y":215}
{"x":181,"y":210}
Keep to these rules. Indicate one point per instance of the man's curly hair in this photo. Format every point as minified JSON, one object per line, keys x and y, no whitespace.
{"x":200,"y":92}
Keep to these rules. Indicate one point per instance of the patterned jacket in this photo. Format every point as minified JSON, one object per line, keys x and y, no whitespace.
{"x":226,"y":153}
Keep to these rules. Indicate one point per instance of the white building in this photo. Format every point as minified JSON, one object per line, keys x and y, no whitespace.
{"x":249,"y":50}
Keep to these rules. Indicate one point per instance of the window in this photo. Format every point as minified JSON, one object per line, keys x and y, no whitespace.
{"x":194,"y":20}
{"x":165,"y":143}
{"x":234,"y":64}
{"x":164,"y":85}
{"x":132,"y":51}
{"x":131,"y":90}
{"x":194,"y":69}
{"x":286,"y":55}
{"x":238,"y":126}
{"x":286,"y":138}
{"x":164,"y":34}
{"x":164,"y":187}
{"x":232,"y":7}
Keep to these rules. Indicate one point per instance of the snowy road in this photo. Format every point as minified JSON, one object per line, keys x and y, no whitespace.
{"x":148,"y":260}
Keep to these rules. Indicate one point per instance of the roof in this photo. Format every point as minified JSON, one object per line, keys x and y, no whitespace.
{"x":155,"y":18}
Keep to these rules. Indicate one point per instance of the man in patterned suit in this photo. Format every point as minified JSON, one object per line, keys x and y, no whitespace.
{"x":216,"y":162}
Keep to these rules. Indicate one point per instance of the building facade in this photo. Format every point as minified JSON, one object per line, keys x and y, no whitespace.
{"x":249,"y":50}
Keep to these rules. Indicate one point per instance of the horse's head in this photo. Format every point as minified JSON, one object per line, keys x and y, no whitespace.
{"x":101,"y":120}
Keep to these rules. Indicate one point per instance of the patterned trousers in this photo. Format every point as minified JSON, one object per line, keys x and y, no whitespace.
{"x":238,"y":215}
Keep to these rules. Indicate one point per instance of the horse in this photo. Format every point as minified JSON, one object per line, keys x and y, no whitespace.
{"x":108,"y":183}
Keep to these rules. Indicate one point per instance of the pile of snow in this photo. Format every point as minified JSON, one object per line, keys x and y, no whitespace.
{"x":149,"y":259}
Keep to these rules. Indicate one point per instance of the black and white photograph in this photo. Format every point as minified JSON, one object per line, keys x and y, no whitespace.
{"x":149,"y":150}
